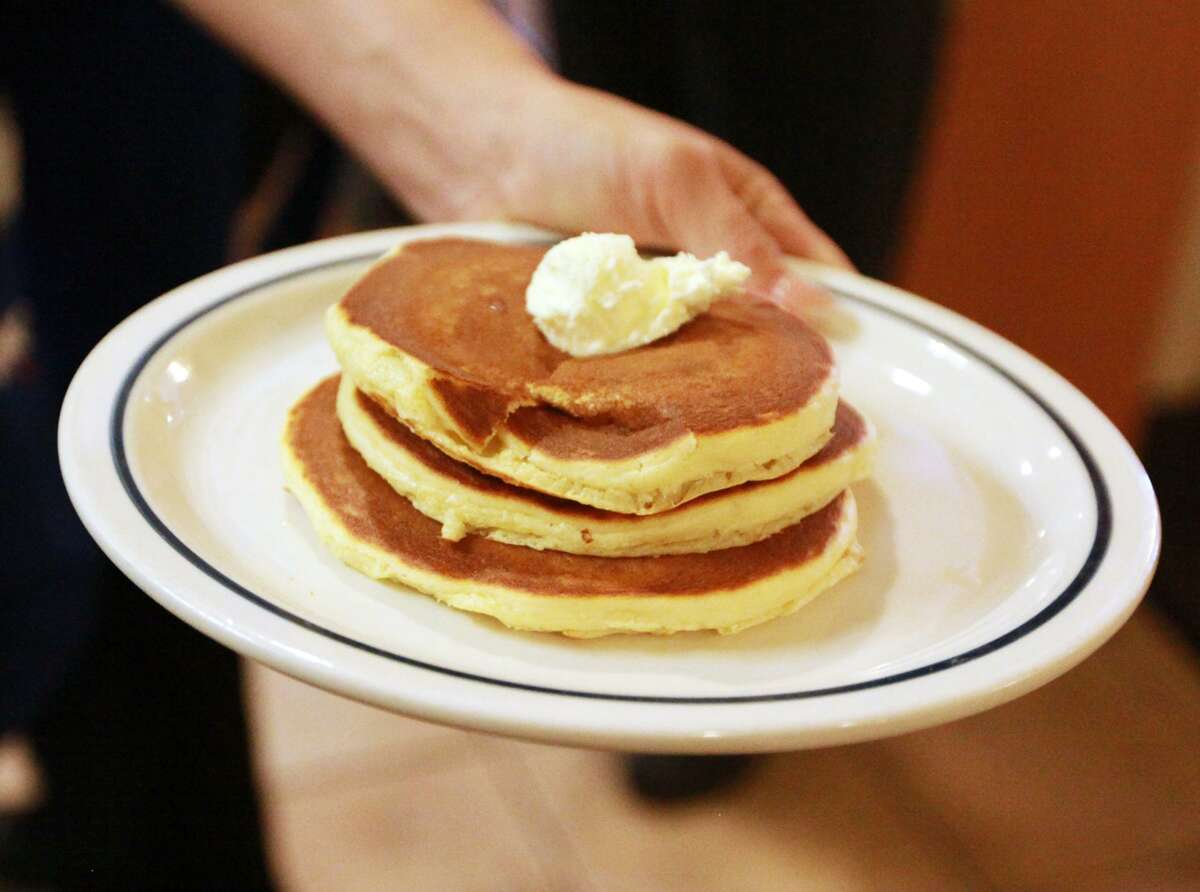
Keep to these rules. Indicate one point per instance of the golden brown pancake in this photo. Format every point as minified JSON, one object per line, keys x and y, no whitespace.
{"x":466,"y":501}
{"x":437,"y":331}
{"x":378,"y":532}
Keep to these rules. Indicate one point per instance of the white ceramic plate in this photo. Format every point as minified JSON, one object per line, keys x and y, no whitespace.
{"x":1009,"y":532}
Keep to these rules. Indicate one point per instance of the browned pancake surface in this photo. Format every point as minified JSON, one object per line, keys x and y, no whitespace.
{"x":458,"y":305}
{"x":372,"y":511}
{"x":849,"y":429}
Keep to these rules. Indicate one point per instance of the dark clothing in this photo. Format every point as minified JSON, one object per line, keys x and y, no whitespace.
{"x":131,"y":130}
{"x":830,"y":97}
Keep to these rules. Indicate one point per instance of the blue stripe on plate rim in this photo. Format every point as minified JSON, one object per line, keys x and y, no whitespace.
{"x":1086,"y":571}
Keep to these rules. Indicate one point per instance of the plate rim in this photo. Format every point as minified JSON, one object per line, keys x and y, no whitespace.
{"x":345,"y":250}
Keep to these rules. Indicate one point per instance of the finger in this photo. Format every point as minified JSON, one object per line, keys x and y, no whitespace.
{"x":797,"y":296}
{"x":697,"y":210}
{"x":692,"y":203}
{"x":775,"y":209}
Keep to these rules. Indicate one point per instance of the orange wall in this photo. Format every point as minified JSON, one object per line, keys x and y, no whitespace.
{"x":1055,"y":178}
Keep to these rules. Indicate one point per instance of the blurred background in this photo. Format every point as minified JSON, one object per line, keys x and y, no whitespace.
{"x":1033,"y":165}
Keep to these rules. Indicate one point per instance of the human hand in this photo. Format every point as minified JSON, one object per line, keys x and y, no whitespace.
{"x":461,"y":121}
{"x":576,"y":159}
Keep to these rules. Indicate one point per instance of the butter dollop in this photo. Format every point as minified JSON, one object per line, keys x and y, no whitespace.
{"x":593,"y":294}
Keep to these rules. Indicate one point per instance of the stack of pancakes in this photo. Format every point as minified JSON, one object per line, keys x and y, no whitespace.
{"x":698,"y":482}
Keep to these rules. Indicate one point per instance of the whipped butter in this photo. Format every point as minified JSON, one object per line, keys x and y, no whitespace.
{"x":593,"y":294}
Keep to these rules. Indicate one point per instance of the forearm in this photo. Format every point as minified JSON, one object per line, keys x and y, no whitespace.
{"x":461,"y":121}
{"x":419,"y":88}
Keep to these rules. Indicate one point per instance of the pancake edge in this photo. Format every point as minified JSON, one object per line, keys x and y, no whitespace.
{"x":649,"y":483}
{"x":726,"y":612}
{"x":728,"y":519}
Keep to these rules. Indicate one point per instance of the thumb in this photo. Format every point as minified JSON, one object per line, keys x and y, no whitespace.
{"x":697,"y":210}
{"x":749,"y":242}
{"x":716,"y":211}
{"x":777,"y":212}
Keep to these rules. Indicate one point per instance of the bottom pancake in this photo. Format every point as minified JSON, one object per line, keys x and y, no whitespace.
{"x":370,"y":527}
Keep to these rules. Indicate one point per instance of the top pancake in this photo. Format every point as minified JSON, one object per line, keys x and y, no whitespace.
{"x":739,"y":364}
{"x":438,"y":331}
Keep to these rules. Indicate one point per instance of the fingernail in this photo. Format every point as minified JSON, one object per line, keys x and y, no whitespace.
{"x":831,"y":254}
{"x":797,"y":296}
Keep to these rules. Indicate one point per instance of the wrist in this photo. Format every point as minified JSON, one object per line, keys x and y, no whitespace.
{"x":427,"y":92}
{"x":444,"y":138}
